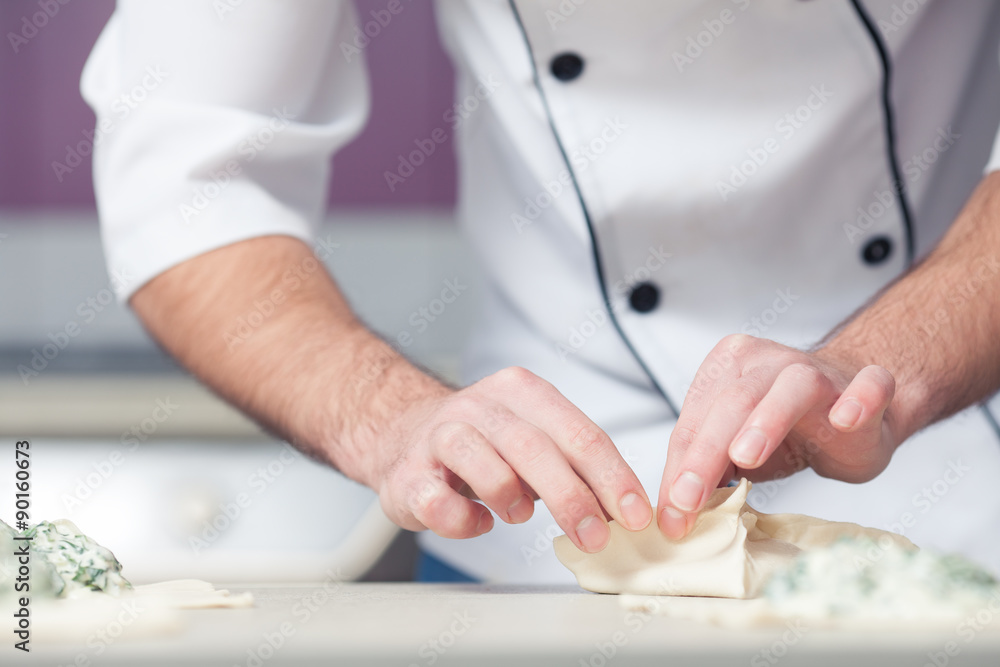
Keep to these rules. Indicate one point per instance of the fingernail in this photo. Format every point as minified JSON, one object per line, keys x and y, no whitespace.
{"x":636,"y":512}
{"x":485,"y":523}
{"x":686,"y":492}
{"x":847,"y":415}
{"x":593,"y":534}
{"x":672,"y":523}
{"x":521,"y":510}
{"x":747,"y":450}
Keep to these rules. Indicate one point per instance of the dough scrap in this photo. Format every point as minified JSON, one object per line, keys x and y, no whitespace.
{"x":77,"y":589}
{"x":732,"y":551}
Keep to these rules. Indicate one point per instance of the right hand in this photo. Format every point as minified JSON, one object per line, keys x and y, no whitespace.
{"x":506,"y":440}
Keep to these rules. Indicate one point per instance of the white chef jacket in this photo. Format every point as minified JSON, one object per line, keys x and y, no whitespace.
{"x":638,"y":178}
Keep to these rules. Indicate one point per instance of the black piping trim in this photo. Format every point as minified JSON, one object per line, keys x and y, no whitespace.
{"x":899,"y":186}
{"x":991,"y":419}
{"x":595,"y":250}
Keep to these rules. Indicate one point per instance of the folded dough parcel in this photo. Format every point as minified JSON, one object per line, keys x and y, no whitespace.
{"x":742,"y":567}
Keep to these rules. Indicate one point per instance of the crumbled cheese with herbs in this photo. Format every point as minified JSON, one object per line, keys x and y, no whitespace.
{"x":861,"y":577}
{"x":67,"y":558}
{"x":44,"y":580}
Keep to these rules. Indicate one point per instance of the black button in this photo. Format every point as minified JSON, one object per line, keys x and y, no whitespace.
{"x":877,"y":250}
{"x":566,"y":66}
{"x":644,"y":297}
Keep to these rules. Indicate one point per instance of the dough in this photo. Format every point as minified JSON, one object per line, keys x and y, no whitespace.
{"x":853,"y":584}
{"x":78,"y":591}
{"x":191,"y":594}
{"x":731,"y":552}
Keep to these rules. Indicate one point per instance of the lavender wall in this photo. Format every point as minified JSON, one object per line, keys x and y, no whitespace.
{"x":41,"y":110}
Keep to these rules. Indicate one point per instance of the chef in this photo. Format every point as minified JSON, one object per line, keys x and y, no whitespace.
{"x":721,"y":238}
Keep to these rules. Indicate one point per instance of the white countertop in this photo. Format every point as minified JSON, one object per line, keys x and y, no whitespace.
{"x":452,"y":624}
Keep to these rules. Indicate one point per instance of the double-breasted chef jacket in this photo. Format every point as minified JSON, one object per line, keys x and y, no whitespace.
{"x":638,"y":178}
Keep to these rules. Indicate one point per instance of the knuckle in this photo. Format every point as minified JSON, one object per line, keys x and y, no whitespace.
{"x":684,"y":436}
{"x":806,"y":377}
{"x":424,"y":496}
{"x":403,"y":499}
{"x":529,"y":449}
{"x":459,"y":439}
{"x":803,"y":371}
{"x":496,"y":417}
{"x":885,"y":379}
{"x":571,"y":504}
{"x":738,"y":345}
{"x":516,"y":376}
{"x":612,"y":476}
{"x":588,"y":441}
{"x":726,"y":359}
{"x":449,"y":432}
{"x":501,"y":487}
{"x":741,"y":398}
{"x":437,"y":511}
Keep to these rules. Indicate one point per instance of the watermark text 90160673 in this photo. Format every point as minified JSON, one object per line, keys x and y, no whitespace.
{"x":22,"y":558}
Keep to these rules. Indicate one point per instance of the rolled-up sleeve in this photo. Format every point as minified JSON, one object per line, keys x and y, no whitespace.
{"x":215,"y":123}
{"x":993,"y":163}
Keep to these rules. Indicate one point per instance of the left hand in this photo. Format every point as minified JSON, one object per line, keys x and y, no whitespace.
{"x":762,"y":410}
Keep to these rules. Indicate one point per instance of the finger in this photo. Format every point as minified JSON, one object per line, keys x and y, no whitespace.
{"x":798,"y":389}
{"x":443,"y":510}
{"x":465,"y":451}
{"x":864,"y":401}
{"x":707,"y":457}
{"x":591,"y":453}
{"x":537,"y":459}
{"x":718,"y":370}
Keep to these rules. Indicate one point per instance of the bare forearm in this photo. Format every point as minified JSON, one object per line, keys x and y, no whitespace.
{"x":937,"y":328}
{"x":921,"y":350}
{"x":308,"y":370}
{"x":262,"y":323}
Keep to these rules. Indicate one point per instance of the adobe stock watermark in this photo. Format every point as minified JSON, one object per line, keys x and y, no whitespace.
{"x":87,"y":312}
{"x":967,"y":630}
{"x":698,"y":43}
{"x":222,"y":177}
{"x":434,"y":648}
{"x":223,"y":8}
{"x":31,"y":25}
{"x":785,"y":128}
{"x":580,"y":158}
{"x":121,"y":107}
{"x":454,"y":117}
{"x":771,"y":654}
{"x":267,"y":306}
{"x":983,"y":270}
{"x":130,"y":441}
{"x":883,"y":201}
{"x":929,"y":495}
{"x":596,"y":318}
{"x":562,"y":13}
{"x":762,"y":323}
{"x":420,"y":320}
{"x":303,"y":611}
{"x":635,"y":621}
{"x":914,"y":342}
{"x":364,"y":34}
{"x":103,"y":638}
{"x":229,"y":513}
{"x":901,"y":13}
